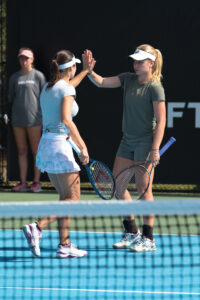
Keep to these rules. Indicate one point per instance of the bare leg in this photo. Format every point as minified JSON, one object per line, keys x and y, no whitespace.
{"x":121,"y":163}
{"x":22,"y":147}
{"x":34,"y":134}
{"x":141,"y":182}
{"x":68,"y":187}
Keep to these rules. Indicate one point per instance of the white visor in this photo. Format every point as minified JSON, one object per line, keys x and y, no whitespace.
{"x":141,"y":55}
{"x":69,"y":64}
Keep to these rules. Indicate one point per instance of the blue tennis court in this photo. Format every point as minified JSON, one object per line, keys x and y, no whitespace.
{"x":104,"y":273}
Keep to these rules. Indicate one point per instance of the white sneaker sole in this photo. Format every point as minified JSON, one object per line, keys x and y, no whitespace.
{"x":26,"y":231}
{"x":125,"y":246}
{"x":69,"y":255}
{"x":142,"y":250}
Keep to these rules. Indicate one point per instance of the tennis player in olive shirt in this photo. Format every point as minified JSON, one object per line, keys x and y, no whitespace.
{"x":143,"y":125}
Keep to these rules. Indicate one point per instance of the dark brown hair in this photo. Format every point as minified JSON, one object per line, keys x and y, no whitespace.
{"x":61,"y":57}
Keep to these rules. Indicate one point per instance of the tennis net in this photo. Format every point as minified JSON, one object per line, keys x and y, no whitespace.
{"x":170,"y":272}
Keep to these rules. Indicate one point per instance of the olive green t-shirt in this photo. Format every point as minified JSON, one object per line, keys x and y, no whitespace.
{"x":138,"y":114}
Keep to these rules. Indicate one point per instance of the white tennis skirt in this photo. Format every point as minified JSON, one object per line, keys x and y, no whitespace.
{"x":55,"y":155}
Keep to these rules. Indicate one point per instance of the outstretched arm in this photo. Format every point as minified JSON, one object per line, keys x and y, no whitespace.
{"x":88,"y":65}
{"x":104,"y":82}
{"x":99,"y":81}
{"x":78,"y":78}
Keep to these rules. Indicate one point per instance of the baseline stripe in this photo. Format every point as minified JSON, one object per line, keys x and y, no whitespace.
{"x":104,"y":291}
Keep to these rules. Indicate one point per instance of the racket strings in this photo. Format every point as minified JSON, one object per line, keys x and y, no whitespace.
{"x":134,"y":179}
{"x":102,"y":178}
{"x":123,"y":181}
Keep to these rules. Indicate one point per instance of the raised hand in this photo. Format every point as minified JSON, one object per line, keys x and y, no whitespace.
{"x":88,"y":61}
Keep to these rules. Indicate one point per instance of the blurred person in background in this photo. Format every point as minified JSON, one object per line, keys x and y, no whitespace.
{"x":25,"y":86}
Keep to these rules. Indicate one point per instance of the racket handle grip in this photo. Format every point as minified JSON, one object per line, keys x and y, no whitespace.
{"x":74,"y":146}
{"x":167,"y":145}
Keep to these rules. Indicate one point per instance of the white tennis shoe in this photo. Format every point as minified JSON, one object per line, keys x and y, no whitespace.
{"x":144,"y":245}
{"x":127,"y":240}
{"x":69,"y":251}
{"x":33,"y":236}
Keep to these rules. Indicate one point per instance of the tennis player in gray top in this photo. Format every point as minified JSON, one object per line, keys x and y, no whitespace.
{"x":143,"y":125}
{"x":24,"y":92}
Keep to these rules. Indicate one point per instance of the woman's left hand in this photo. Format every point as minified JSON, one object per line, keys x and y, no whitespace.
{"x":88,"y":61}
{"x":154,"y":157}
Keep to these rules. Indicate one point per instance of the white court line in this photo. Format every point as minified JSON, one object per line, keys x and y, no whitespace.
{"x":101,"y":291}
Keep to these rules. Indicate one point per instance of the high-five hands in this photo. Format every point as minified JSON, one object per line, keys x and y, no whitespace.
{"x":88,"y":61}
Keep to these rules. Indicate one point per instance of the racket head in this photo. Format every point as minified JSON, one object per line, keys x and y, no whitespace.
{"x":134,"y":180}
{"x":101,"y":178}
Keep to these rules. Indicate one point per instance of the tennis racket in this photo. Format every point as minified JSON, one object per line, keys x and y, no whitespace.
{"x":99,"y":174}
{"x":136,"y":178}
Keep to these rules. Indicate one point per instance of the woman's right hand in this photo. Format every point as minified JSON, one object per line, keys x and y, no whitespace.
{"x":84,"y":157}
{"x":88,"y":61}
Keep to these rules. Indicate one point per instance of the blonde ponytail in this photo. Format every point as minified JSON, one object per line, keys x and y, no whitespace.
{"x":157,"y":67}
